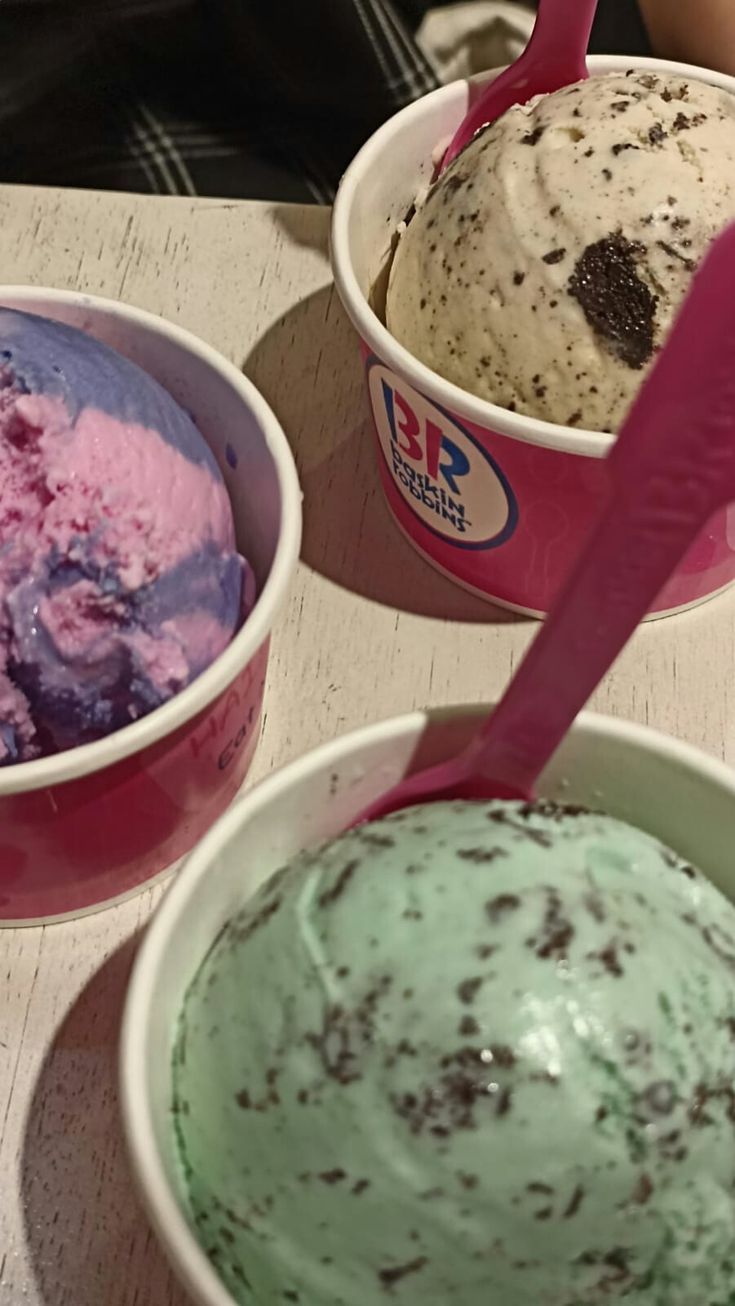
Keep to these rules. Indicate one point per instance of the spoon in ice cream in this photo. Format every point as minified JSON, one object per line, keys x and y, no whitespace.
{"x":672,"y":466}
{"x":554,"y":57}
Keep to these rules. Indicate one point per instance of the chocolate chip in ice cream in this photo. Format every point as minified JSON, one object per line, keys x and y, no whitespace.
{"x":392,"y":1275}
{"x":682,"y":123}
{"x":676,"y":253}
{"x":616,"y":302}
{"x":468,"y":989}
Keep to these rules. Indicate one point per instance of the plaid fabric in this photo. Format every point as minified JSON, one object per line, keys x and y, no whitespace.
{"x":259,"y":99}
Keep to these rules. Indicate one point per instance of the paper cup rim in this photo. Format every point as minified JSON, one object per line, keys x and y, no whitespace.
{"x":164,"y":1211}
{"x":73,"y":763}
{"x":463,"y":404}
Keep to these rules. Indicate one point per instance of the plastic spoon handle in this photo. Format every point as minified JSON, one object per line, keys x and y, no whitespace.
{"x":554,"y":57}
{"x":561,"y":35}
{"x":673,"y":466}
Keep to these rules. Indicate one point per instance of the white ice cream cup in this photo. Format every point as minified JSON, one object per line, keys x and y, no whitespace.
{"x":517,"y":518}
{"x":87,"y":827}
{"x":666,"y":788}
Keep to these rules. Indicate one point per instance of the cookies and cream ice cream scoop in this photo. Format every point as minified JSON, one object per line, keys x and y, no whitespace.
{"x":546,"y":265}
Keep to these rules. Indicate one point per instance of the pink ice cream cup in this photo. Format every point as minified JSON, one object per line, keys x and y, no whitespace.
{"x":87,"y":827}
{"x":511,"y":526}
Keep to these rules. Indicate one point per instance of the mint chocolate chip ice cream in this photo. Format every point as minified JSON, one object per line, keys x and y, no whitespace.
{"x":545,"y":267}
{"x":472,"y":1053}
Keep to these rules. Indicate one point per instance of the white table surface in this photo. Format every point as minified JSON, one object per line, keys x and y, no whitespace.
{"x":369,"y":631}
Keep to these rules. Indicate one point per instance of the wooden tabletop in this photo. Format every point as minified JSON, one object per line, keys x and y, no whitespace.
{"x":369,"y":631}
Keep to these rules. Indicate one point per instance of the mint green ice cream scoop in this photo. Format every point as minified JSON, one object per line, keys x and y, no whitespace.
{"x":469,"y":1055}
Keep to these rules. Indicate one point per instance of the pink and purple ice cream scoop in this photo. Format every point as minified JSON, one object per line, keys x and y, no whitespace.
{"x":120,"y":580}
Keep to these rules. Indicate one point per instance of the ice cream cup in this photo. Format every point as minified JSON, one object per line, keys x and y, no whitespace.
{"x":662,"y":786}
{"x":87,"y":827}
{"x":511,"y":523}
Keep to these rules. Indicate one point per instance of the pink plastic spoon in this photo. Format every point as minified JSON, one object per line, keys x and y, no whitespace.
{"x":672,"y":466}
{"x":554,"y":57}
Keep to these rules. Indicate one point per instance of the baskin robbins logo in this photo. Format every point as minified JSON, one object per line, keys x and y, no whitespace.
{"x":447,"y":478}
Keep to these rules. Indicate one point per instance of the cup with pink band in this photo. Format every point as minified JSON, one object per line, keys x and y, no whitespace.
{"x":500,"y":501}
{"x":138,"y":599}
